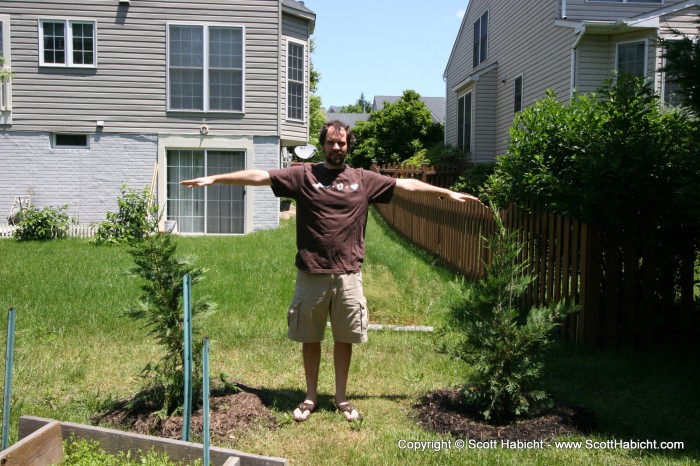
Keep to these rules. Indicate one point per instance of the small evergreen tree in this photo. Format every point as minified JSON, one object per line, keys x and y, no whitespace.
{"x":503,"y":345}
{"x":160,"y":310}
{"x":361,"y":105}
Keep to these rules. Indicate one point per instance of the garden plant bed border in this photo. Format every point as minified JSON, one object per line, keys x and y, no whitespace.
{"x":114,"y":441}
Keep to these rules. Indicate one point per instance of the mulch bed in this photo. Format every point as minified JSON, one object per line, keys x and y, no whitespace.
{"x":229,"y":414}
{"x":444,"y":411}
{"x":441,"y":411}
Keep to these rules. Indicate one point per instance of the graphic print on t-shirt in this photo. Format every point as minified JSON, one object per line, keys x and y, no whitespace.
{"x":337,"y":187}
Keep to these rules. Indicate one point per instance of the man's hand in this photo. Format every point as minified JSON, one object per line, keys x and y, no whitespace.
{"x":462,"y":197}
{"x":203,"y":181}
{"x":417,"y":186}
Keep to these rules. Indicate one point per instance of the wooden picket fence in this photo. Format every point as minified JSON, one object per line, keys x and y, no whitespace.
{"x":635,"y":284}
{"x":437,"y":175}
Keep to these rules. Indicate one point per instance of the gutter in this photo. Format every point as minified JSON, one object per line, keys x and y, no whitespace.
{"x":581,"y":32}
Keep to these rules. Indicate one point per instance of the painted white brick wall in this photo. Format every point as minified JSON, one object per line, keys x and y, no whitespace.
{"x":87,"y":180}
{"x":266,"y":205}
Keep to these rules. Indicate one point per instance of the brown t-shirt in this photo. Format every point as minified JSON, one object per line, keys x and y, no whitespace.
{"x":332,"y":210}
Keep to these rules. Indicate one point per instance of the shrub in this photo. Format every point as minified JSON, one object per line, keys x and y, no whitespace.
{"x":42,"y":224}
{"x":130,"y":222}
{"x":606,"y":157}
{"x":473,"y":180}
{"x":504,"y":346}
{"x":160,"y":311}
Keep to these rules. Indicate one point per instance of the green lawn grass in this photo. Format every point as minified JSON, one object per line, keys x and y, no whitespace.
{"x":75,"y":352}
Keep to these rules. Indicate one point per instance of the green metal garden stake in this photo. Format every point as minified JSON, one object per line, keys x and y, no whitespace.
{"x":9,"y":356}
{"x":205,"y":399}
{"x":187,"y":323}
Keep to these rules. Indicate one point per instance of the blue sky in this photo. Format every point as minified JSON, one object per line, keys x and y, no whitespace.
{"x":382,"y":47}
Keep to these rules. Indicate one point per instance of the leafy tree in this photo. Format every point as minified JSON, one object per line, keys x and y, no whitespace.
{"x":5,"y":73}
{"x":395,"y":133}
{"x":683,"y":66}
{"x":361,"y":105}
{"x":503,"y":345}
{"x":160,"y":311}
{"x":607,"y":157}
{"x":317,"y":117}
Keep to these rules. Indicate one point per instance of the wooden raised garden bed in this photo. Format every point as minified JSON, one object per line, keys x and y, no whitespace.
{"x":41,"y":443}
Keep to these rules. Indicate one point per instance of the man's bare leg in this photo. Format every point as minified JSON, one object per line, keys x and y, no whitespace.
{"x":342,"y":354}
{"x":311,"y":354}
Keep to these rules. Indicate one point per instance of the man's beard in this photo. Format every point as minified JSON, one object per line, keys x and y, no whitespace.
{"x":335,"y":160}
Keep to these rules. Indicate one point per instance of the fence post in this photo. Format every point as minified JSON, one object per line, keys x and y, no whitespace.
{"x":187,"y":324}
{"x":9,"y":358}
{"x":424,"y":167}
{"x":205,"y":400}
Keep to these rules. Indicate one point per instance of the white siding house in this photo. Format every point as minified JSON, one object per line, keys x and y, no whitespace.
{"x":106,"y":91}
{"x":508,"y":53}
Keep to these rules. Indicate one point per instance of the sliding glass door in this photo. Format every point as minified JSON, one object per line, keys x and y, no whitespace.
{"x":214,"y":209}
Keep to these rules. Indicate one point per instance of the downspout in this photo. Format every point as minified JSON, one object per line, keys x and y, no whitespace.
{"x":444,"y":134}
{"x":572,"y":84}
{"x":279,"y":79}
{"x":563,"y":9}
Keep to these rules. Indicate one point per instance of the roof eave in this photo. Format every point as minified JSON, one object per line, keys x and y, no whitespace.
{"x":310,"y":17}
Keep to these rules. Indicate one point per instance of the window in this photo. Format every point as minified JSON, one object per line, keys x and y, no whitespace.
{"x":481,"y":32}
{"x":70,"y":141}
{"x":464,"y":122}
{"x":518,"y":101}
{"x":214,"y":209}
{"x":631,"y":58}
{"x":295,"y":81}
{"x":205,"y":68}
{"x":67,"y":43}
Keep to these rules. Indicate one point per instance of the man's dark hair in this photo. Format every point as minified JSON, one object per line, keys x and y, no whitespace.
{"x":337,"y":125}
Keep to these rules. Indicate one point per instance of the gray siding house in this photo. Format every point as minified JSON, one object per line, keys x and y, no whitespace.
{"x":509,"y":52}
{"x":112,"y":92}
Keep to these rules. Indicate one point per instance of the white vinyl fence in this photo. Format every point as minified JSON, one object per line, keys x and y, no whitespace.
{"x":74,"y":231}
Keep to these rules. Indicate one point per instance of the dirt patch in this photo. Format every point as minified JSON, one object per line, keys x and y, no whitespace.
{"x":444,"y":411}
{"x":229,"y":414}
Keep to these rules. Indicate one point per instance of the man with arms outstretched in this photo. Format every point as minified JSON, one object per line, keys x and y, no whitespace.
{"x":332,"y":204}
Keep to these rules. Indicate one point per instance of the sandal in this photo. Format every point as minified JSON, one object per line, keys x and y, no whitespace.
{"x":305,"y":406}
{"x":347,"y":407}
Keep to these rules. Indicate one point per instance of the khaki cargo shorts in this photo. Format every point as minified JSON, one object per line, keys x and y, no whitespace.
{"x":318,"y":296}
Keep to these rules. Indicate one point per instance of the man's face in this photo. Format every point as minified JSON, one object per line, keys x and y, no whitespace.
{"x":335,"y":149}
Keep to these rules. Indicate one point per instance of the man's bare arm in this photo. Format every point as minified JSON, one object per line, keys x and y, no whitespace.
{"x":243,"y":177}
{"x":416,"y":186}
